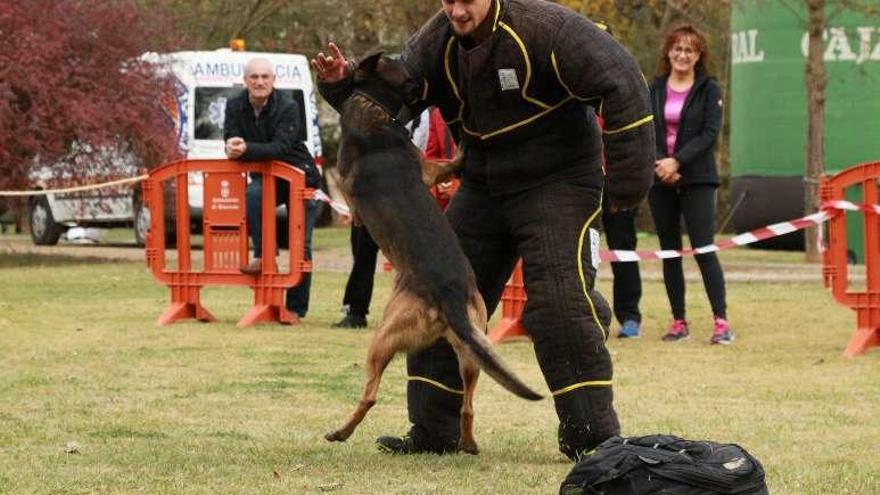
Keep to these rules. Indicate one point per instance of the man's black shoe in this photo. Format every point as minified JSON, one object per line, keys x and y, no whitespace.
{"x":406,"y":445}
{"x":397,"y":445}
{"x":351,"y":320}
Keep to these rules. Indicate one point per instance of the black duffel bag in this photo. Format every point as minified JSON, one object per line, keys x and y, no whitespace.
{"x":665,"y":464}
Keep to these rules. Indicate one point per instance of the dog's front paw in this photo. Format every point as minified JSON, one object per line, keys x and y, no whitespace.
{"x":469,"y":448}
{"x":335,"y":436}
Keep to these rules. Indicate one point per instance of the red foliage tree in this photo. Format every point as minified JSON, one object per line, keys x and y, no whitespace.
{"x":71,"y":74}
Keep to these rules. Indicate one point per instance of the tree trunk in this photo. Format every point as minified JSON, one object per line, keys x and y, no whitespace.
{"x":815,"y":156}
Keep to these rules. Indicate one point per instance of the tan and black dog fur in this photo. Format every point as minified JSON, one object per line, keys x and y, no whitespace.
{"x":435,"y":294}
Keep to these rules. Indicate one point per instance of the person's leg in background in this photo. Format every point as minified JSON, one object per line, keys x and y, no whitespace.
{"x":698,"y":209}
{"x":620,"y":232}
{"x":254,"y":205}
{"x":665,"y":205}
{"x":254,"y":217}
{"x":359,"y":288}
{"x":298,"y":296}
{"x":434,"y":388}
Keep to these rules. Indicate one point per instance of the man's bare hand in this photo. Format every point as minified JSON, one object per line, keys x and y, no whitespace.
{"x":332,"y":68}
{"x":235,"y":147}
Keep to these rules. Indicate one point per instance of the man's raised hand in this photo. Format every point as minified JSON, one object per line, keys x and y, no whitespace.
{"x":331,"y":68}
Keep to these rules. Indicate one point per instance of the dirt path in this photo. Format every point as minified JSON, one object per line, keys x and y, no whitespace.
{"x":324,"y":259}
{"x":339,"y":260}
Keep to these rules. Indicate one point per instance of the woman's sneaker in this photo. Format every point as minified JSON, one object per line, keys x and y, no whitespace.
{"x":678,"y":331}
{"x":723,"y":334}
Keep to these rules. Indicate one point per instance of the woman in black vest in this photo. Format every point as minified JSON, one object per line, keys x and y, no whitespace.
{"x":687,"y":108}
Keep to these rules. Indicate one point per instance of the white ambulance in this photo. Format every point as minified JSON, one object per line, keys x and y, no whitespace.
{"x":204,"y":80}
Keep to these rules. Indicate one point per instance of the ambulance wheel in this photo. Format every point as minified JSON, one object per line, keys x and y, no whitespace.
{"x":142,"y":222}
{"x":44,"y":230}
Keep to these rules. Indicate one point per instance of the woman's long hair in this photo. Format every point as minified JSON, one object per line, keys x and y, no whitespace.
{"x":698,"y":42}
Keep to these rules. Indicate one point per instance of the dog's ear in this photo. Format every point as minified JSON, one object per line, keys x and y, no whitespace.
{"x":393,"y":72}
{"x":369,"y":64}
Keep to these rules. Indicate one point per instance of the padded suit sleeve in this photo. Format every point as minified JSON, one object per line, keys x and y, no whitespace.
{"x":423,"y":58}
{"x":337,"y":92}
{"x":595,"y":69}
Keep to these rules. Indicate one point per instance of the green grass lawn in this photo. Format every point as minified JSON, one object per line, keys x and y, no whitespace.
{"x":210,"y":408}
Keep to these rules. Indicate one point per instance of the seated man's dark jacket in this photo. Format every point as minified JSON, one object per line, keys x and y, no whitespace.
{"x":272,"y":136}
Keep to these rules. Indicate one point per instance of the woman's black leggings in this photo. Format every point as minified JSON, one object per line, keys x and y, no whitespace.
{"x":696,"y":203}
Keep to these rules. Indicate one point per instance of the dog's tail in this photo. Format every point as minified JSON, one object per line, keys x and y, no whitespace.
{"x":481,"y":348}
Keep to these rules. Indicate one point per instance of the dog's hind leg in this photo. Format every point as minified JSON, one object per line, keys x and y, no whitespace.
{"x":470,"y":372}
{"x":390,"y":337}
{"x":378,"y":358}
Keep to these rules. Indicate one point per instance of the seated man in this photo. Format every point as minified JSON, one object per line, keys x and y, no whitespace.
{"x":262,"y":124}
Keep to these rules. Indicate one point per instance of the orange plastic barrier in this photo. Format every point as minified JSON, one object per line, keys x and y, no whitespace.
{"x":225,"y":246}
{"x":835,"y":268}
{"x":513,"y":301}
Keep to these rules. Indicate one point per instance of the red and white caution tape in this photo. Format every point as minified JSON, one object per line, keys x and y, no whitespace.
{"x":319,"y":194}
{"x":336,"y":205}
{"x":846,"y":205}
{"x":65,"y":190}
{"x":828,"y":211}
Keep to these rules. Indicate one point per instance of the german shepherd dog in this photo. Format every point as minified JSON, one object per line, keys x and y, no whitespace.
{"x":435,"y":294}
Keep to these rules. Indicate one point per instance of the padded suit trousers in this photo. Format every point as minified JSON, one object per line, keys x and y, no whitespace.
{"x":553,"y":228}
